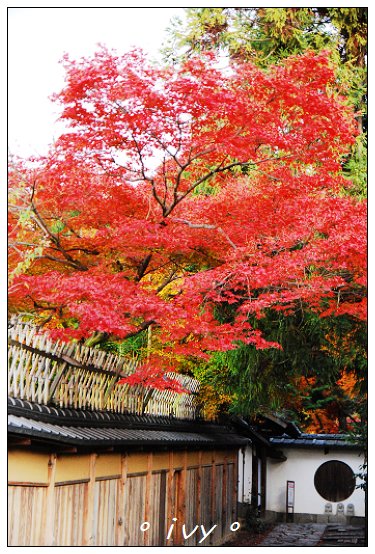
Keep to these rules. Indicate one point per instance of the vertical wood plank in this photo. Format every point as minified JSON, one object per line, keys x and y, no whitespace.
{"x":69,"y":501}
{"x":26,"y":516}
{"x":199,"y":486}
{"x":171,"y":495}
{"x":181,"y":501}
{"x":230,"y":496}
{"x":89,"y":523}
{"x":162,"y":508}
{"x":213,"y":492}
{"x":224,"y":502}
{"x":120,"y":523}
{"x":219,"y":507}
{"x":48,"y":523}
{"x":38,"y":510}
{"x":148,"y":495}
{"x":135,"y":509}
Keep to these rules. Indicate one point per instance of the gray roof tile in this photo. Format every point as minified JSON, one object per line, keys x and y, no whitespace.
{"x":91,"y":436}
{"x":320,"y":440}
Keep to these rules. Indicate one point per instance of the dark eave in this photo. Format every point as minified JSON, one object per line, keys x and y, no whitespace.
{"x":306,"y":440}
{"x":81,"y":428}
{"x":257,"y":438}
{"x":285,"y":426}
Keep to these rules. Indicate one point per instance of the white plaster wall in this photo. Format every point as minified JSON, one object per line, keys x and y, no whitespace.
{"x":244,"y":475}
{"x":300,"y":467}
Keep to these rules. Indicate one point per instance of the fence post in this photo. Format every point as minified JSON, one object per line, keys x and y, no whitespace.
{"x":49,"y":522}
{"x":89,"y":523}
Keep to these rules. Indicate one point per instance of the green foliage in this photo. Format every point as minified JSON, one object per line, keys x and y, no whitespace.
{"x":258,"y":379}
{"x":57,"y":226}
{"x":27,"y":261}
{"x":25,"y":216}
{"x":253,"y":521}
{"x":267,"y":35}
{"x":355,"y":168}
{"x":131,"y":346}
{"x":351,"y":23}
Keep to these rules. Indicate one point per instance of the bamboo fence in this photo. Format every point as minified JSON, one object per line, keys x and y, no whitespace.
{"x":71,"y":375}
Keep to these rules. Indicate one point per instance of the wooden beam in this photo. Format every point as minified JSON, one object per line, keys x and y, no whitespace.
{"x":67,"y":449}
{"x":104,"y":449}
{"x":275,"y":419}
{"x":27,"y":484}
{"x":15,"y":441}
{"x":74,"y":482}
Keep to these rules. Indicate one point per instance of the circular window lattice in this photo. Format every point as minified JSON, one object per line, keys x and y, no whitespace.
{"x":334,"y":481}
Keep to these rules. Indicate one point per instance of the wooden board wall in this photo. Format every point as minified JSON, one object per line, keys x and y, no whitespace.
{"x":107,"y":498}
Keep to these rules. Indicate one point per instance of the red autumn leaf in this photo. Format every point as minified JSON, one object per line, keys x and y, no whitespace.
{"x":189,"y":199}
{"x":148,"y":376}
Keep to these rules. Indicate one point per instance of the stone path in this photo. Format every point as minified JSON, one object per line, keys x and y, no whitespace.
{"x":343,"y":535}
{"x":314,"y":534}
{"x":294,"y":534}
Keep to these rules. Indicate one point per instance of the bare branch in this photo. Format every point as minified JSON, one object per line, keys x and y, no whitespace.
{"x":56,"y":241}
{"x":172,"y":277}
{"x":145,"y":325}
{"x":226,"y":237}
{"x":73,"y":263}
{"x":194,"y":225}
{"x":20,"y":243}
{"x":143,"y":172}
{"x":166,"y":149}
{"x":142,"y":267}
{"x":204,"y":226}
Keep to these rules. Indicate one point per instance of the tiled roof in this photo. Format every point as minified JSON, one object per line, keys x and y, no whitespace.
{"x":91,"y":429}
{"x":306,"y":440}
{"x":85,"y":417}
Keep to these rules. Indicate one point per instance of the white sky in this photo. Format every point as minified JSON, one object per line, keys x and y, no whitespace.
{"x":37,"y":40}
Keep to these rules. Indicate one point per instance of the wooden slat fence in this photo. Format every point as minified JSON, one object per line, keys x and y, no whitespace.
{"x":70,"y":375}
{"x":108,"y":510}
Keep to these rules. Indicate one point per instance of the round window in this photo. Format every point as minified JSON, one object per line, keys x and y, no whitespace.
{"x":334,"y":481}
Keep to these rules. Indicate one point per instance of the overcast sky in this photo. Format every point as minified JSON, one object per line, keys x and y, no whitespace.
{"x":37,"y":40}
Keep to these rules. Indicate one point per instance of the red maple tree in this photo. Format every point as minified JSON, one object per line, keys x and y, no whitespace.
{"x":189,"y":199}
